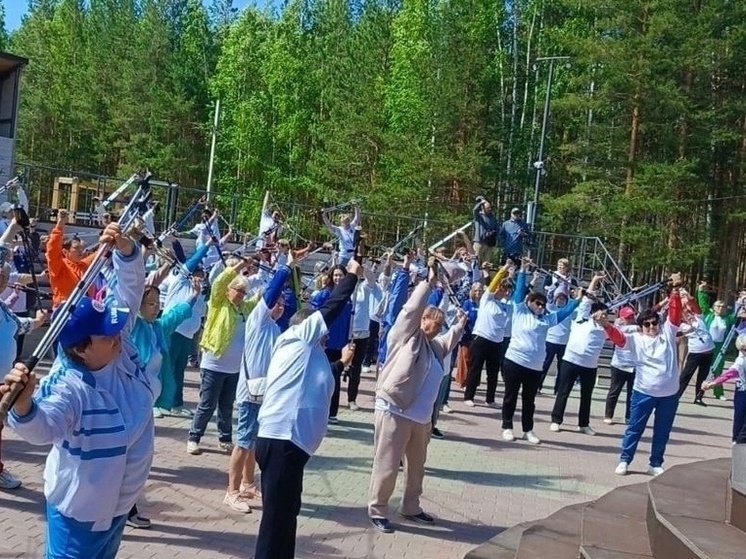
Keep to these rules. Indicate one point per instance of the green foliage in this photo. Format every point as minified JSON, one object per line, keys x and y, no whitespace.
{"x":414,"y":106}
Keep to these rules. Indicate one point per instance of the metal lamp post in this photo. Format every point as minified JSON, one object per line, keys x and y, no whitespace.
{"x":533,"y":206}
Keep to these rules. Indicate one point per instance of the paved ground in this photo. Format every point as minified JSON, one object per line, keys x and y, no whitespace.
{"x":475,"y":486}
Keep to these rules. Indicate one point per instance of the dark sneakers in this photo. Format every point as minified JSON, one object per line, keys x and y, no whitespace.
{"x":382,"y":525}
{"x":437,"y":434}
{"x":421,"y":517}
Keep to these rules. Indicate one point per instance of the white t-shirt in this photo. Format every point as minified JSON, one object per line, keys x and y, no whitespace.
{"x":527,"y":345}
{"x":559,"y":334}
{"x":346,"y":238}
{"x":260,"y":335}
{"x":299,"y":387}
{"x":421,"y":410}
{"x":586,"y":340}
{"x":698,"y":338}
{"x":656,"y":361}
{"x":718,"y":329}
{"x":180,"y":291}
{"x":624,"y":358}
{"x":740,"y":366}
{"x":361,"y":318}
{"x":491,"y":318}
{"x":230,"y":360}
{"x":266,"y":224}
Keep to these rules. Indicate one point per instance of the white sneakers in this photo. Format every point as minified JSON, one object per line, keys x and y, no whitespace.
{"x":353,"y":406}
{"x":508,"y":436}
{"x":655,"y":471}
{"x":236,"y":501}
{"x":621,"y":470}
{"x":469,"y":403}
{"x":586,"y":430}
{"x":608,"y":421}
{"x":446,"y":409}
{"x":193,"y":448}
{"x":554,"y":428}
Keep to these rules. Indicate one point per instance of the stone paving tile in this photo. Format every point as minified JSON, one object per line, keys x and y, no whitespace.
{"x":476,"y":484}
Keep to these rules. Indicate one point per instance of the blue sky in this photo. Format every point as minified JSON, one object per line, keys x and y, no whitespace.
{"x":15,"y":9}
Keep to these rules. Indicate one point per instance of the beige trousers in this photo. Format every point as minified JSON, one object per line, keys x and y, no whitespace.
{"x":395,"y":439}
{"x":483,"y":252}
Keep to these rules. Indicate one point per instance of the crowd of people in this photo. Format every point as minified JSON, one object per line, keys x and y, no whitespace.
{"x":276,"y":351}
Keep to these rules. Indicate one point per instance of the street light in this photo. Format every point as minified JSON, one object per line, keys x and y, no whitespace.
{"x":533,"y":206}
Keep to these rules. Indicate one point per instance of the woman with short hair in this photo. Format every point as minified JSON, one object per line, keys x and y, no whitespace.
{"x":656,"y":379}
{"x":525,"y":354}
{"x":222,"y":344}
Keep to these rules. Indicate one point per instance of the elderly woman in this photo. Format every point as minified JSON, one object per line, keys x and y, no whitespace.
{"x":526,"y":351}
{"x":222,"y":343}
{"x":406,"y":391}
{"x":656,"y":379}
{"x":718,"y":321}
{"x":94,"y":408}
{"x":488,"y":334}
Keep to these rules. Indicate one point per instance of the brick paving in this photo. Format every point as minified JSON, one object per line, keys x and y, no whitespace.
{"x":475,"y":486}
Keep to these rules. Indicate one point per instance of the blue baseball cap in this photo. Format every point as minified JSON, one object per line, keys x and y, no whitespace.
{"x":92,"y":318}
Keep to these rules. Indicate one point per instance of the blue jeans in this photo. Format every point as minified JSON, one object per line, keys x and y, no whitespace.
{"x":215,"y":390}
{"x":642,"y":407}
{"x":71,"y":539}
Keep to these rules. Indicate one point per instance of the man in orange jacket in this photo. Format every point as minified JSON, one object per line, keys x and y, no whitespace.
{"x":65,"y":261}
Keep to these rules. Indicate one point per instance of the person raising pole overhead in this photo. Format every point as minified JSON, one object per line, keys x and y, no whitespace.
{"x":345,"y":232}
{"x":485,"y":230}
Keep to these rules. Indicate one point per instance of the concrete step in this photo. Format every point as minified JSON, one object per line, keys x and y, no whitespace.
{"x":615,"y":525}
{"x":737,"y":495}
{"x":687,"y":513}
{"x":557,"y":536}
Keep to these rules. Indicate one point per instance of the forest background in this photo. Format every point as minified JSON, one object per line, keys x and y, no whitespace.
{"x":415,"y":106}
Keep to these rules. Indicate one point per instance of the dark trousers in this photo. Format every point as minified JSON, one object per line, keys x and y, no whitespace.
{"x":553,"y":350}
{"x":371,"y":353}
{"x":483,"y":351}
{"x":353,"y":376}
{"x":501,"y":354}
{"x":568,"y":376}
{"x":739,"y":414}
{"x":215,"y":390}
{"x":694,"y":361}
{"x":517,"y":377}
{"x":619,"y":379}
{"x":282,"y":464}
{"x":334,"y":355}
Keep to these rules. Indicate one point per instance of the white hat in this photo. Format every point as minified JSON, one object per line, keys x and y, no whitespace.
{"x":6,"y":207}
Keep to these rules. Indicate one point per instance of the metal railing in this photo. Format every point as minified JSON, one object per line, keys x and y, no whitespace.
{"x":587,"y":255}
{"x":241,"y":209}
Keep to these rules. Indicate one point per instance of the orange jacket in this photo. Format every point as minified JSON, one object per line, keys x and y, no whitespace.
{"x":63,"y":273}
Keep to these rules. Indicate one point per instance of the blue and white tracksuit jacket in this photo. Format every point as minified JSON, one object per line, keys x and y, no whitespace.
{"x":92,"y":443}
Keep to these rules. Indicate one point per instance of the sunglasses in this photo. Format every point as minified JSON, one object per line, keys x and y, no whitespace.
{"x":540,"y":304}
{"x":650,"y":323}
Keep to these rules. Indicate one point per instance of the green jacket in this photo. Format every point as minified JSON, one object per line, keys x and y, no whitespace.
{"x":222,"y":315}
{"x":708,"y":315}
